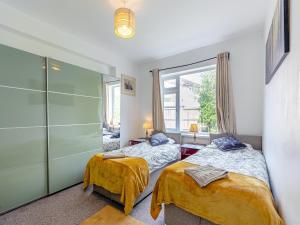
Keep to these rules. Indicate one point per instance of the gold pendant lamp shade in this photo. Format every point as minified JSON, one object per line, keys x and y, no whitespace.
{"x":124,"y":23}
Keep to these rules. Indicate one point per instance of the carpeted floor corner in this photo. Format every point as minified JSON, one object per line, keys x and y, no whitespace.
{"x":70,"y":207}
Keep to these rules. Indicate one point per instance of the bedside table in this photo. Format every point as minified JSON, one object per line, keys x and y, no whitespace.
{"x":137,"y":141}
{"x":189,"y":149}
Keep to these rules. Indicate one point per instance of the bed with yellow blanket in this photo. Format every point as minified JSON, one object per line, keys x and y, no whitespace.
{"x":128,"y":180}
{"x":244,"y":197}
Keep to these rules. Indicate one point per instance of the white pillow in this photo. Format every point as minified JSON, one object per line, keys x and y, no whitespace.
{"x":249,"y":146}
{"x":171,"y":141}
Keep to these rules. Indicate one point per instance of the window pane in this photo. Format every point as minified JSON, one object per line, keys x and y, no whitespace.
{"x":170,"y":100}
{"x":207,"y":96}
{"x":198,"y":101}
{"x":113,"y":98}
{"x":189,"y":100}
{"x":170,"y":111}
{"x":116,"y":106}
{"x":170,"y":118}
{"x":170,"y":83}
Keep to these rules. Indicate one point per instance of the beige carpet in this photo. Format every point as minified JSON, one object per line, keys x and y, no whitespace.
{"x":111,"y":216}
{"x":71,"y":207}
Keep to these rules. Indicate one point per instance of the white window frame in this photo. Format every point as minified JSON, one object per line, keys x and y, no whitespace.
{"x":176,"y":90}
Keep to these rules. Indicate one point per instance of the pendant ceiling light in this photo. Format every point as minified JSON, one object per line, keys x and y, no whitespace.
{"x":124,"y":23}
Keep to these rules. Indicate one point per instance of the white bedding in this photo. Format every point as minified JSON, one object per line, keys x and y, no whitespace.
{"x":157,"y":156}
{"x":110,"y":144}
{"x":245,"y":161}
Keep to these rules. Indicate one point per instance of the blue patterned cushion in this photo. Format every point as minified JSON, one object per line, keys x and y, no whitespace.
{"x":228,"y":143}
{"x":158,"y":139}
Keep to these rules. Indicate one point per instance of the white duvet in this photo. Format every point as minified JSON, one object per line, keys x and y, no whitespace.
{"x":245,"y":161}
{"x":156,"y":156}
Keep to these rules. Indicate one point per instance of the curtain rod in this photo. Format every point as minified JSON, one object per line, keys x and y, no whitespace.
{"x":174,"y":67}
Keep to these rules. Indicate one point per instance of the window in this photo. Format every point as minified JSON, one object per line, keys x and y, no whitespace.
{"x":190,"y":97}
{"x":113,"y":104}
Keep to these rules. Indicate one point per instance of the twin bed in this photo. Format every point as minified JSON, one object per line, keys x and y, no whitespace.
{"x":242,"y":198}
{"x":129,"y":180}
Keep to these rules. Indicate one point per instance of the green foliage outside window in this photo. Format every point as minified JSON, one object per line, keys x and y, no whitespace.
{"x":207,"y":101}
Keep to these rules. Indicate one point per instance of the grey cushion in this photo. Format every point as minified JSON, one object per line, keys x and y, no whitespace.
{"x":158,"y":139}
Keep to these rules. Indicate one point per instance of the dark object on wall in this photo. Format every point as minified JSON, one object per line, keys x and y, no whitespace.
{"x":278,"y":44}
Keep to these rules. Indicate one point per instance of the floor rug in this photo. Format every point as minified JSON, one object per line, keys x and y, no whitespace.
{"x":111,"y":216}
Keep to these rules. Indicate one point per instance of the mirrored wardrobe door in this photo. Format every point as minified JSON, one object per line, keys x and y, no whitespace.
{"x":111,"y":113}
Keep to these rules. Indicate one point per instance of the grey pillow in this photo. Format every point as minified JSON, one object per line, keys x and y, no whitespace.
{"x":158,"y":139}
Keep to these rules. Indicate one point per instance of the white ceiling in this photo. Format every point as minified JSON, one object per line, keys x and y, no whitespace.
{"x":164,"y":27}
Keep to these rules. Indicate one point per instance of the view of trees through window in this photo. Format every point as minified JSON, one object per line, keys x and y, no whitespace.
{"x":190,"y":98}
{"x":207,"y":101}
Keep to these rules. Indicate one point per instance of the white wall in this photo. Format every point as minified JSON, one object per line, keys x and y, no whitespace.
{"x":26,"y":33}
{"x":281,"y":123}
{"x":247,"y":70}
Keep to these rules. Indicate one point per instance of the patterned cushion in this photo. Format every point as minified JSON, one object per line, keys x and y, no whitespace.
{"x":158,"y":139}
{"x":228,"y":143}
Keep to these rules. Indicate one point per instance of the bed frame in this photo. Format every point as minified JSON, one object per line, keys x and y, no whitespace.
{"x":152,"y":181}
{"x":177,"y":216}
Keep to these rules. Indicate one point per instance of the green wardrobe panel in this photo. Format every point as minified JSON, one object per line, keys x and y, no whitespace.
{"x":22,"y":108}
{"x":22,"y":147}
{"x":71,"y":109}
{"x":67,"y":78}
{"x":74,"y":118}
{"x":20,"y":185}
{"x":21,"y":69}
{"x":68,"y":140}
{"x":23,"y":136}
{"x":67,"y":171}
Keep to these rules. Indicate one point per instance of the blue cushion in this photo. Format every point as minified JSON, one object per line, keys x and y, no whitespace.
{"x":228,"y":143}
{"x":158,"y":139}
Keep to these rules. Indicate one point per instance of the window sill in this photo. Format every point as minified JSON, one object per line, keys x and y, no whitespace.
{"x":198,"y":135}
{"x":186,"y":134}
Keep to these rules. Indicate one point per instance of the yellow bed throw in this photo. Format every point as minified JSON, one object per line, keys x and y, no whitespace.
{"x":236,"y":200}
{"x":125,"y":176}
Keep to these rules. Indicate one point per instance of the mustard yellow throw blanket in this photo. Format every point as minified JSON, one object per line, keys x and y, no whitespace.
{"x":236,"y":200}
{"x":125,"y":176}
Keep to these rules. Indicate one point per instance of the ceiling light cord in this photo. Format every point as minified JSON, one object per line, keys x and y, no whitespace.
{"x":125,"y":2}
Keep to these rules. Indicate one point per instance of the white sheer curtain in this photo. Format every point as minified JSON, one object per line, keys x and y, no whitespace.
{"x":157,"y":108}
{"x":224,"y":99}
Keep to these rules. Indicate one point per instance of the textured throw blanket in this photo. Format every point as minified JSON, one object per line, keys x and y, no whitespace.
{"x":236,"y":200}
{"x":125,"y":176}
{"x":204,"y":175}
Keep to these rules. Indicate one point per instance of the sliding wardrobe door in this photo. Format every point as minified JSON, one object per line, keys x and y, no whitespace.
{"x":74,"y":118}
{"x":23,"y":139}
